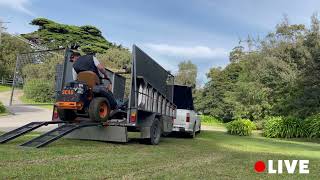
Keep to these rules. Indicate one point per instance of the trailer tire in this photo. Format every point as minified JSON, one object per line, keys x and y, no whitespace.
{"x":99,"y":109}
{"x":155,"y":133}
{"x":67,"y":114}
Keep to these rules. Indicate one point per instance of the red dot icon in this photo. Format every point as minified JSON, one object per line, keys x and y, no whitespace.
{"x":259,"y":166}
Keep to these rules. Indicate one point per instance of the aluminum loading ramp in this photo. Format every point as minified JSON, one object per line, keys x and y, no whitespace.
{"x":25,"y":129}
{"x":56,"y":134}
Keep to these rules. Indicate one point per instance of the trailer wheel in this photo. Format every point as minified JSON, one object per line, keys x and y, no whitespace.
{"x":155,"y":133}
{"x":67,"y":114}
{"x":99,"y":109}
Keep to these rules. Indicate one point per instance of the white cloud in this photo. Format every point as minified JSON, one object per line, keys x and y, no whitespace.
{"x":18,"y":5}
{"x":189,"y":52}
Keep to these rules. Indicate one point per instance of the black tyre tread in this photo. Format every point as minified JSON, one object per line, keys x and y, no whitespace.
{"x":154,"y":140}
{"x":193,"y":133}
{"x":94,"y":109}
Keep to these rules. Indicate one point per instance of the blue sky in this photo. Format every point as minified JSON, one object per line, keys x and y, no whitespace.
{"x":170,"y":31}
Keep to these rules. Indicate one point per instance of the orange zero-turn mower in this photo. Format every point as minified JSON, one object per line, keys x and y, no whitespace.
{"x":85,"y":98}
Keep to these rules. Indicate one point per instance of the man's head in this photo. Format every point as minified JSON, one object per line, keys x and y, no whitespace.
{"x":74,"y":56}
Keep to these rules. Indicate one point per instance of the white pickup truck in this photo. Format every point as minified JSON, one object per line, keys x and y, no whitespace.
{"x":187,"y":120}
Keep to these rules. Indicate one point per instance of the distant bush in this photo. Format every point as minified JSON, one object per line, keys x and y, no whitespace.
{"x":38,"y":90}
{"x":2,"y":108}
{"x":241,"y":127}
{"x":279,"y":127}
{"x":311,"y":126}
{"x":209,"y":119}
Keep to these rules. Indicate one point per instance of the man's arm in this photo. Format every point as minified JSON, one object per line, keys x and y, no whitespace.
{"x":74,"y":74}
{"x":101,"y":68}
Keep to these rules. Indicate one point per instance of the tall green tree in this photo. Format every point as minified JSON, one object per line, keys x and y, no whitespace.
{"x":9,"y":48}
{"x":55,"y":35}
{"x":187,"y":74}
{"x":280,"y":77}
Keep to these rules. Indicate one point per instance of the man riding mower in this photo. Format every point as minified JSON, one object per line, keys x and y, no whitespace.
{"x":86,"y":96}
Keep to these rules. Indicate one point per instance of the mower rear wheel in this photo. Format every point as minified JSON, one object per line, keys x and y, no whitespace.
{"x":99,"y":109}
{"x":67,"y":114}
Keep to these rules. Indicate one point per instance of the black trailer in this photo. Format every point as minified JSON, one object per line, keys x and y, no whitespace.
{"x":150,"y":109}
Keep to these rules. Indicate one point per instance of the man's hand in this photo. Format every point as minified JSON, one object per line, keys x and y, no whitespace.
{"x":109,"y":87}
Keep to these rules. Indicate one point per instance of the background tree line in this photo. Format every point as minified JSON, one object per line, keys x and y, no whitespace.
{"x":275,"y":76}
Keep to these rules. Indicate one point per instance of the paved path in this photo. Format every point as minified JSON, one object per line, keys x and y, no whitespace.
{"x":213,"y":128}
{"x":24,"y":115}
{"x":5,"y":97}
{"x":21,"y":115}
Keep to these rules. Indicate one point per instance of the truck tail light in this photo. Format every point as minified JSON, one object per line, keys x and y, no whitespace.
{"x":133,"y":117}
{"x":188,"y":117}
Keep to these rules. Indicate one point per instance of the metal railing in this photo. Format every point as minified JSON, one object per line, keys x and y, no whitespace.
{"x":4,"y":81}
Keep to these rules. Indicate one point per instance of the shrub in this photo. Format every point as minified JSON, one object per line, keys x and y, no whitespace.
{"x":279,"y":127}
{"x":38,"y":90}
{"x":260,"y":124}
{"x":241,"y":127}
{"x":2,"y":108}
{"x":311,"y":126}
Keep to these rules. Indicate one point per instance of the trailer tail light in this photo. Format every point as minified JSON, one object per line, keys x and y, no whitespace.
{"x":55,"y":115}
{"x":133,"y":117}
{"x":188,"y":117}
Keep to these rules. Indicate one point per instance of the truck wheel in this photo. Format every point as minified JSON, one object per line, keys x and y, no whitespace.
{"x":67,"y":114}
{"x":198,"y":132}
{"x":155,"y":133}
{"x":193,"y":133}
{"x":99,"y":109}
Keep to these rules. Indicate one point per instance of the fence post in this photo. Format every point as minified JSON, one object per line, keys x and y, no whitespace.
{"x":14,"y":80}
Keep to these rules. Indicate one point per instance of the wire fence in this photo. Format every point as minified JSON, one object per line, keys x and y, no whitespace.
{"x":35,"y":75}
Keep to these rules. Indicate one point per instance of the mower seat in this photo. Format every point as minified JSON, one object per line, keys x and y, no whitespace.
{"x":99,"y":90}
{"x":90,"y":78}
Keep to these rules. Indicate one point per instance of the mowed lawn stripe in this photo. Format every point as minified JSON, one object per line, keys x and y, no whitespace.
{"x":212,"y":155}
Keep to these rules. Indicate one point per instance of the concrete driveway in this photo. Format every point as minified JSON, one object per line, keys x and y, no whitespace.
{"x":21,"y":114}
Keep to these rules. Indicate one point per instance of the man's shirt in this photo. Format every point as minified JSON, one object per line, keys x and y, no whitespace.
{"x":96,"y":63}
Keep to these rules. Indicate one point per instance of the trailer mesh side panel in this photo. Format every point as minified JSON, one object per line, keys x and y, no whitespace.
{"x":152,"y":85}
{"x":151,"y":71}
{"x":35,"y":75}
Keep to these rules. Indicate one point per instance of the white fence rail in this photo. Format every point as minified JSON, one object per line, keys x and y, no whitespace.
{"x":4,"y":81}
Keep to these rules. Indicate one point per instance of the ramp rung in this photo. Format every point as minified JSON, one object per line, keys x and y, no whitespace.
{"x":56,"y":134}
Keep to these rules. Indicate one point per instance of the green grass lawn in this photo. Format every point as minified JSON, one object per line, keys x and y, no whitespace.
{"x":212,"y":155}
{"x":5,"y":88}
{"x":3,"y":114}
